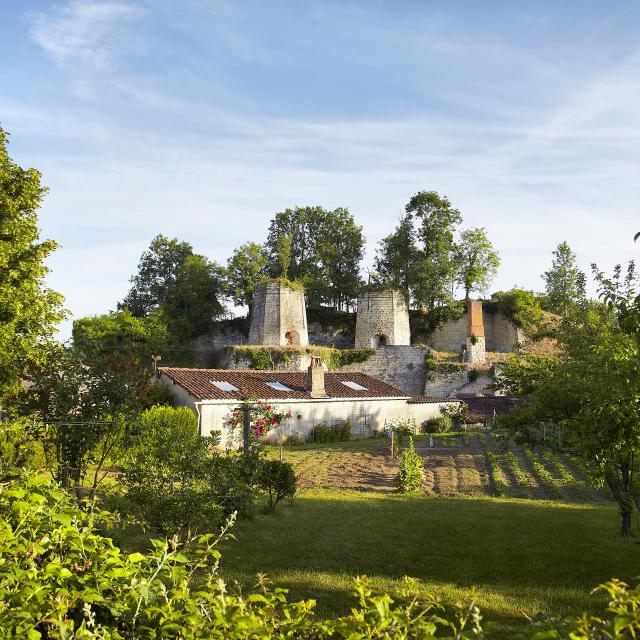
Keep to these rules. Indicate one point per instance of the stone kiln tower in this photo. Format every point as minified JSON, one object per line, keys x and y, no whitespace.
{"x":279,"y":316}
{"x":383,"y":319}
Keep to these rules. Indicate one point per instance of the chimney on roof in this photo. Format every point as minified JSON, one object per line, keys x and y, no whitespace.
{"x":315,"y":378}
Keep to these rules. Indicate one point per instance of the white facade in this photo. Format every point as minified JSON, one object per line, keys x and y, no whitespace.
{"x":306,"y":413}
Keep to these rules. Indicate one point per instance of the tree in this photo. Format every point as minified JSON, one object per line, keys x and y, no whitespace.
{"x":397,"y":256}
{"x":322,"y":249}
{"x":477,"y":261}
{"x":562,"y":281}
{"x":590,"y":390}
{"x":419,"y":256}
{"x":157,"y":271}
{"x":192,"y":300}
{"x":437,"y":223}
{"x":245,"y":268}
{"x":29,"y":310}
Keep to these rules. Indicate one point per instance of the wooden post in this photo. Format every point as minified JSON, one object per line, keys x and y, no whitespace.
{"x":246,"y":426}
{"x":392,"y":442}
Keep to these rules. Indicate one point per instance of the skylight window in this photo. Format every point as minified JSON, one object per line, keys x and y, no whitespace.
{"x":278,"y":386}
{"x":224,"y":386}
{"x":354,"y":385}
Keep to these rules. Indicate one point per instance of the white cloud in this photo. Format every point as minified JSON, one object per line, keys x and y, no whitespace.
{"x":85,"y":34}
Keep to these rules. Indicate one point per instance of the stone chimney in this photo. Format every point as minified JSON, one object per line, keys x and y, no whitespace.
{"x":475,"y":343}
{"x":315,"y":378}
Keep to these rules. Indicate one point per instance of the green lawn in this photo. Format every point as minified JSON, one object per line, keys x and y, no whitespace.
{"x":519,"y":555}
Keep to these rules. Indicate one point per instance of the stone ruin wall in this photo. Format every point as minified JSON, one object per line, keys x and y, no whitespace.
{"x":451,"y":336}
{"x":500,"y":334}
{"x":382,"y":313}
{"x":401,"y":366}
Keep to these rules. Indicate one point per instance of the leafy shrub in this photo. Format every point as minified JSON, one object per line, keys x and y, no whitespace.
{"x":338,"y":433}
{"x":166,"y":473}
{"x":472,"y":375}
{"x":411,"y":473}
{"x":439,"y":424}
{"x":278,"y":480}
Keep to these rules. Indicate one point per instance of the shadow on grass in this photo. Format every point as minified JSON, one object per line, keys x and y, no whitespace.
{"x":519,"y":555}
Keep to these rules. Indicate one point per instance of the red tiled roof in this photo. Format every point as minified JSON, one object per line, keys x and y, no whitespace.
{"x":483,"y":407}
{"x":431,"y":400}
{"x":199,"y":383}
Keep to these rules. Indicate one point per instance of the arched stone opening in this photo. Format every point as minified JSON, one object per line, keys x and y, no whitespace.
{"x":381,"y":340}
{"x":292,"y":337}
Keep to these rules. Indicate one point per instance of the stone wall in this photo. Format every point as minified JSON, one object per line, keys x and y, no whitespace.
{"x":401,"y":366}
{"x":330,"y":336}
{"x":383,"y":319}
{"x":279,"y":316}
{"x":451,"y":336}
{"x":501,"y":334}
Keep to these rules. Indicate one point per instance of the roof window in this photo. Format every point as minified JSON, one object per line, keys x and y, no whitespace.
{"x":278,"y":386}
{"x":224,"y":386}
{"x":354,"y":385}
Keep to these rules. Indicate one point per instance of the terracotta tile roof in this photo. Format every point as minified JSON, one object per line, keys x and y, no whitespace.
{"x":199,"y":383}
{"x":431,"y":400}
{"x":487,"y":407}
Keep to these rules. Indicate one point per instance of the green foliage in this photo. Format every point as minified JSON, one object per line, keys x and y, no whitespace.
{"x":520,"y":306}
{"x":588,"y":390}
{"x":193,"y":300}
{"x":17,"y":449}
{"x":263,"y":357}
{"x":182,"y":287}
{"x":496,"y":477}
{"x":165,"y":474}
{"x":29,"y":310}
{"x":477,"y":261}
{"x":302,"y":246}
{"x":337,"y":433}
{"x":564,"y":282}
{"x":278,"y":480}
{"x":440,"y":424}
{"x":430,"y":320}
{"x":472,"y":375}
{"x":246,"y":267}
{"x":411,"y":472}
{"x":546,"y":479}
{"x":439,"y":366}
{"x":157,"y":271}
{"x":270,"y":357}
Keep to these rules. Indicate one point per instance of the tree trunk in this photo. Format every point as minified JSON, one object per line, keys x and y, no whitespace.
{"x":625,"y":512}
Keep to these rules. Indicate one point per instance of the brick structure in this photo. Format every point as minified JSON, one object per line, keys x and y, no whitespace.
{"x":383,"y":319}
{"x":279,"y":316}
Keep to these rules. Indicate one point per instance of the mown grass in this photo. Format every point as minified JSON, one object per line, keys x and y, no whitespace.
{"x":520,"y":556}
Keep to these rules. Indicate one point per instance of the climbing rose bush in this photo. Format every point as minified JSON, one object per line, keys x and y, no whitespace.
{"x":264,"y":417}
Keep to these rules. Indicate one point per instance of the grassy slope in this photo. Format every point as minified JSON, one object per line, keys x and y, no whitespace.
{"x":522,"y":555}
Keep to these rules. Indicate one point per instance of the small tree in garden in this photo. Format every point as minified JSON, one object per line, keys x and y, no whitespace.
{"x":411,"y":473}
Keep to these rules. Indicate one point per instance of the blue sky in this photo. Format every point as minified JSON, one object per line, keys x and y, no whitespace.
{"x":200,"y":119}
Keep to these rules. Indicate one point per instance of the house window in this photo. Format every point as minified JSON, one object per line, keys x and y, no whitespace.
{"x":278,"y":386}
{"x":353,"y":385}
{"x":224,"y":386}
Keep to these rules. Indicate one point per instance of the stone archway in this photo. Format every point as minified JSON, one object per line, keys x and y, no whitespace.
{"x":381,"y":340}
{"x":292,"y":337}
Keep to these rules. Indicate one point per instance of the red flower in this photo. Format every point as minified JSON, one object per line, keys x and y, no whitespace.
{"x":273,"y":420}
{"x":268,"y":406}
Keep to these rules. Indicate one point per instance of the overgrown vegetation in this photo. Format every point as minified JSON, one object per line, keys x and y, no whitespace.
{"x":270,"y":357}
{"x":337,"y":433}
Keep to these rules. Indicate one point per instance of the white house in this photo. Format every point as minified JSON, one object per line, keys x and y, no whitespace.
{"x":312,"y":397}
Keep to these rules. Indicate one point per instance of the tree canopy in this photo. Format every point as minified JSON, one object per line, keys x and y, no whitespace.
{"x":245,"y":269}
{"x":590,"y":390}
{"x":321,"y":249}
{"x":422,"y":258}
{"x":563,"y":281}
{"x":29,"y":310}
